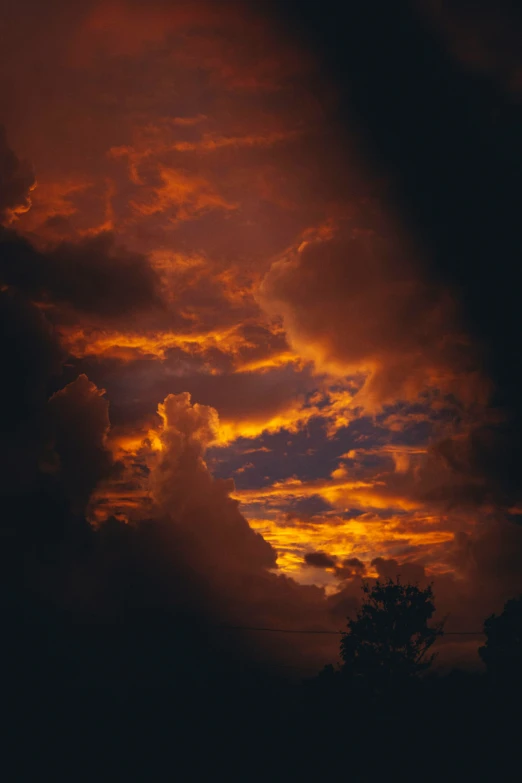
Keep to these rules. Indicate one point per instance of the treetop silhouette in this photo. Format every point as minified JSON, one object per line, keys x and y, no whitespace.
{"x":389,"y":640}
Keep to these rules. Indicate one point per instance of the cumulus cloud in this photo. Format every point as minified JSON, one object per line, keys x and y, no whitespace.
{"x":183,"y":487}
{"x":248,"y":402}
{"x":79,"y":419}
{"x":355,"y":303}
{"x":56,"y":442}
{"x":237,"y":563}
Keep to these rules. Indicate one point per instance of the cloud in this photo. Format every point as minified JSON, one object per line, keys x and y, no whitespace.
{"x":486,"y":462}
{"x":483,"y":36}
{"x":355,"y":539}
{"x":351,"y":567}
{"x":31,"y":357}
{"x":237,"y":560}
{"x":179,"y":196}
{"x":319,"y":560}
{"x":79,"y":420}
{"x":57,"y":208}
{"x":443,"y":197}
{"x":249,"y":402}
{"x":17,"y":180}
{"x":356,"y":303}
{"x":411,"y":573}
{"x":94,"y":276}
{"x":340,"y":492}
{"x":56,"y":443}
{"x":245,"y":179}
{"x":183,"y":487}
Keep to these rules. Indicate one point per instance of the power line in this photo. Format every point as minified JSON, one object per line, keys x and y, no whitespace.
{"x":336,"y":633}
{"x":271,"y":630}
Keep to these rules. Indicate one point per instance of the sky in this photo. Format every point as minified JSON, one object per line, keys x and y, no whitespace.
{"x":255,"y":263}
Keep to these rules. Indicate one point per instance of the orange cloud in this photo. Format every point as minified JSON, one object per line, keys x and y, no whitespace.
{"x":291,"y":418}
{"x":56,"y":198}
{"x":269,"y":362}
{"x":338,"y":491}
{"x":154,"y":142}
{"x":129,"y":345}
{"x":355,"y":303}
{"x":181,"y":195}
{"x":364,"y":537}
{"x":128,"y":29}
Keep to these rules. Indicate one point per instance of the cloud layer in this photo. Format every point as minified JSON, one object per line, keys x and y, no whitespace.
{"x":244,"y":333}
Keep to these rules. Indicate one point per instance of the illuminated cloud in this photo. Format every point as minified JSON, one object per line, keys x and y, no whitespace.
{"x":353,"y":542}
{"x":339,"y":492}
{"x":180,"y":197}
{"x":355,"y":303}
{"x":203,"y":234}
{"x":183,"y":487}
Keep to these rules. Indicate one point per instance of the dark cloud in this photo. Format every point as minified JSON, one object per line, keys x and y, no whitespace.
{"x":61,"y":441}
{"x":490,"y":559}
{"x":353,"y":562}
{"x":483,"y":36}
{"x":350,"y":567}
{"x":319,"y":560}
{"x":16,"y":182}
{"x":31,"y":357}
{"x":79,"y":421}
{"x":94,"y":275}
{"x":412,"y":573}
{"x":487,"y":461}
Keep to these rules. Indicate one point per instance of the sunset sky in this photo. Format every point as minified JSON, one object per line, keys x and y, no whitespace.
{"x":248,"y":290}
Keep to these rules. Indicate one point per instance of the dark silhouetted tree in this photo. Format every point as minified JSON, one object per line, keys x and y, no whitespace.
{"x":389,"y":640}
{"x":502,"y":652}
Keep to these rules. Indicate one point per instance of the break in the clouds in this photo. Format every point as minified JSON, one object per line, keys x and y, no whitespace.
{"x":221,"y":319}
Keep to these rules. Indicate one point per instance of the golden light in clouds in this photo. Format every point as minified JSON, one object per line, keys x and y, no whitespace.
{"x":289,"y":300}
{"x":344,"y":538}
